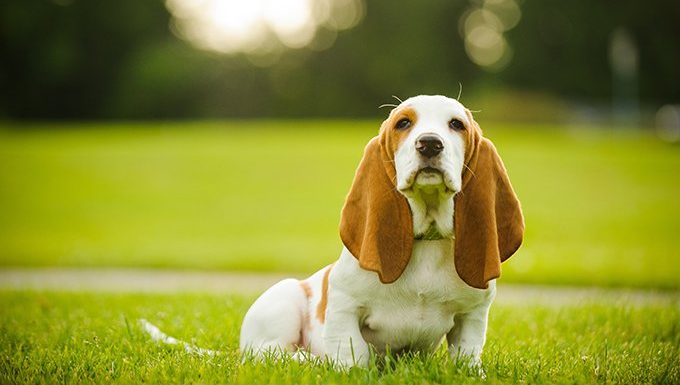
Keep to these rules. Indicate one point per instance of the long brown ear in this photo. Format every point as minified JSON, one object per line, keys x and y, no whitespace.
{"x":376,"y":224}
{"x":488,"y":218}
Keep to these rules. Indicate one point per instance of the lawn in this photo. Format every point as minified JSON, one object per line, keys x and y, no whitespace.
{"x":83,"y":338}
{"x":601,"y":205}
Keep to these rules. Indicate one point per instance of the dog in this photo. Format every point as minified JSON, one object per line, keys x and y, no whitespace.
{"x":429,"y":218}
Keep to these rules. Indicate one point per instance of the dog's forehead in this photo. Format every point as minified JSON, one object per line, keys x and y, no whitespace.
{"x":436,"y":107}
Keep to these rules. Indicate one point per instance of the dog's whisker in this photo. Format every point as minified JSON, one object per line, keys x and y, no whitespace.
{"x":460,"y":90}
{"x":388,"y":105}
{"x":398,"y":99}
{"x":469,"y":169}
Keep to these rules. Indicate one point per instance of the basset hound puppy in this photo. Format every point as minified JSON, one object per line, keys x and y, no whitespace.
{"x":427,"y":222}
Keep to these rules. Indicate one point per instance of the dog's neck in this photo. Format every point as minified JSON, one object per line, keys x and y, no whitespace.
{"x":432,"y":211}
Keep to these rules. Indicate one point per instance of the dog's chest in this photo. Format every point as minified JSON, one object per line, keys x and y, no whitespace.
{"x":417,"y":310}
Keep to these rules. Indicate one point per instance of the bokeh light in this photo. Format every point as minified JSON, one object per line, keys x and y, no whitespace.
{"x":482,"y":27}
{"x":667,"y":120}
{"x":261,"y":28}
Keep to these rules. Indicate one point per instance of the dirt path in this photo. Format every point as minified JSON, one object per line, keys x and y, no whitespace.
{"x":174,"y":281}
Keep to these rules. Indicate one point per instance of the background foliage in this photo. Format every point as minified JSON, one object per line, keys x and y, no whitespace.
{"x":119,"y":59}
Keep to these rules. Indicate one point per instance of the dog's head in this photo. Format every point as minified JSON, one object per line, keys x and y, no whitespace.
{"x":430,"y":154}
{"x":429,"y":144}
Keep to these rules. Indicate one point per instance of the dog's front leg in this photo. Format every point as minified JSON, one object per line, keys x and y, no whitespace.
{"x":467,"y":337}
{"x":342,"y":337}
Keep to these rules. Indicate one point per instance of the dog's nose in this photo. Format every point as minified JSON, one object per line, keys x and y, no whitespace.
{"x":429,"y":145}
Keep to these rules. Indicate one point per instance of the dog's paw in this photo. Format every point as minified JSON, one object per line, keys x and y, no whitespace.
{"x":479,"y":371}
{"x":301,"y":356}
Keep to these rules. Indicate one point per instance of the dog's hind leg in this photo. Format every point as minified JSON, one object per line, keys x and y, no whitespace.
{"x":274,"y":323}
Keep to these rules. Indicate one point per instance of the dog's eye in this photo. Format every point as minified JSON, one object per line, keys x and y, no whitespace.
{"x":403,"y":124}
{"x":456,"y":124}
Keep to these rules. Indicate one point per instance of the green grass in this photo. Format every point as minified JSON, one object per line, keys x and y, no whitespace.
{"x":94,"y":338}
{"x":601,"y":206}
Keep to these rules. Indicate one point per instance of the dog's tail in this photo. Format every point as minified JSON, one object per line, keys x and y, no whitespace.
{"x":157,"y":335}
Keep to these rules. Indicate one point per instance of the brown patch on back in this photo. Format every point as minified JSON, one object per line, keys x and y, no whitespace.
{"x":323,"y":303}
{"x":307,"y":325}
{"x":306,"y":289}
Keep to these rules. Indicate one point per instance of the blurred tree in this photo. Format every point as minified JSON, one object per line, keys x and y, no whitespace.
{"x":80,"y":59}
{"x":562,"y":47}
{"x":63,"y":58}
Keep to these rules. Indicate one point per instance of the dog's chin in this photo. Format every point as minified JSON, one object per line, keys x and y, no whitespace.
{"x":429,"y":176}
{"x":429,"y":179}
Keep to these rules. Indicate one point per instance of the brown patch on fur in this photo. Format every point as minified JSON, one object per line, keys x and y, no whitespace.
{"x":397,"y":136}
{"x":323,"y":303}
{"x":489,"y":224}
{"x":306,"y":322}
{"x":376,"y":224}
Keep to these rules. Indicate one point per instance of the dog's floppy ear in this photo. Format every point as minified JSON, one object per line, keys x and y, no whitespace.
{"x":488,"y":220}
{"x":376,"y":224}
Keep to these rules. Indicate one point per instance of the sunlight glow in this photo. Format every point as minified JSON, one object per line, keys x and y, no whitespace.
{"x":261,"y":27}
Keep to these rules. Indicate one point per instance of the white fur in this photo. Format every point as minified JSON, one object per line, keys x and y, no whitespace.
{"x":157,"y":335}
{"x":428,"y":303}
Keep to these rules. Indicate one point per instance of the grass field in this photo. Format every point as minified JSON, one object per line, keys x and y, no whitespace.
{"x":83,"y":338}
{"x":601,"y":206}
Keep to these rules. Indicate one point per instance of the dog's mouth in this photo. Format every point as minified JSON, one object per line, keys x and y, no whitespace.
{"x":429,"y":170}
{"x":429,"y":178}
